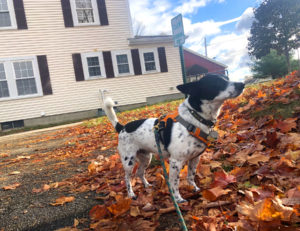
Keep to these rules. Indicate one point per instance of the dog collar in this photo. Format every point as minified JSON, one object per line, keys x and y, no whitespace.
{"x":198,"y":117}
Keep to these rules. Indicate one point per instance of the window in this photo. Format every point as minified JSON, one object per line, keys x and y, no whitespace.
{"x":12,"y":125}
{"x":19,"y":78}
{"x":93,"y":66}
{"x":25,"y":79}
{"x":149,"y":60}
{"x":85,"y":12}
{"x":122,"y":62}
{"x":7,"y":15}
{"x":3,"y":83}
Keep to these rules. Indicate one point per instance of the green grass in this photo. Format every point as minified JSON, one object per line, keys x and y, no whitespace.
{"x":279,"y":110}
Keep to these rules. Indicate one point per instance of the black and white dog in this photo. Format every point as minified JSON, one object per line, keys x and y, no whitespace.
{"x":200,"y":109}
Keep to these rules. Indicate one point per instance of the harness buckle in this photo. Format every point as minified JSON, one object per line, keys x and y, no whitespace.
{"x":190,"y":128}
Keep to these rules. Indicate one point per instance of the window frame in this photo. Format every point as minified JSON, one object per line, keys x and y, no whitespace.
{"x":12,"y":15}
{"x":84,"y":57}
{"x":95,"y":12}
{"x":156,"y":59}
{"x":115,"y":62}
{"x":12,"y":80}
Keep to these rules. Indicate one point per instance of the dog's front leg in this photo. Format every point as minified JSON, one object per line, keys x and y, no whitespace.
{"x":175,"y":167}
{"x":192,"y":166}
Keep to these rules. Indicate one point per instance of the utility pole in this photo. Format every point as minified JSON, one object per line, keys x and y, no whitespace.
{"x":298,"y":59}
{"x":205,"y":46}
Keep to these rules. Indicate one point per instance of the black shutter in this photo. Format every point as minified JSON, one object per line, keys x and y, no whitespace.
{"x":102,"y":12}
{"x":67,"y":13}
{"x":20,"y":14}
{"x":44,"y":74}
{"x":162,"y":59}
{"x":109,"y":69}
{"x":78,"y":69}
{"x":136,"y":61}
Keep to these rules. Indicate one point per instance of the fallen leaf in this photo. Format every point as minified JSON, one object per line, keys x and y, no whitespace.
{"x":15,"y":173}
{"x":122,"y":206}
{"x":257,"y":157}
{"x":287,"y":125}
{"x":266,"y":210}
{"x":135,"y":211}
{"x":98,"y":212}
{"x":213,"y":193}
{"x":62,"y":200}
{"x":11,"y":187}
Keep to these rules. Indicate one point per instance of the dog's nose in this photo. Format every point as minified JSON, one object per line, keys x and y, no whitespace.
{"x":239,"y":86}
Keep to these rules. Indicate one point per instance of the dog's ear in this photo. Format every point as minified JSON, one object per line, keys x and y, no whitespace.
{"x":191,"y":88}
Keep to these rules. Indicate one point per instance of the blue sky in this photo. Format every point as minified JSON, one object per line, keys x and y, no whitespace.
{"x":225,"y":24}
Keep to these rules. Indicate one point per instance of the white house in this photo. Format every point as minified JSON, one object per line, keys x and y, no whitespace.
{"x":56,"y":56}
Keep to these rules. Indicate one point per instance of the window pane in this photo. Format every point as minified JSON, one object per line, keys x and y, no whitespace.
{"x":122,"y":59}
{"x":23,"y":69}
{"x":93,"y":66}
{"x":4,"y":89}
{"x":85,"y":16}
{"x":2,"y":71}
{"x":5,"y":19}
{"x":123,"y":68}
{"x":150,"y":66}
{"x":83,"y":4}
{"x":149,"y":56}
{"x":93,"y":61}
{"x":26,"y":86}
{"x":3,"y":5}
{"x":94,"y":71}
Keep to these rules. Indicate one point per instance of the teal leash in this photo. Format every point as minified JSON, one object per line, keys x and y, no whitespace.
{"x":184,"y":228}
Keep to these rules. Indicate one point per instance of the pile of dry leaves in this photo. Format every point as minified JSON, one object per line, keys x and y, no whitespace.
{"x":249,"y":178}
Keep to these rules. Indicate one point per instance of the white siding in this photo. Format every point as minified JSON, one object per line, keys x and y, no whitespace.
{"x":47,"y":35}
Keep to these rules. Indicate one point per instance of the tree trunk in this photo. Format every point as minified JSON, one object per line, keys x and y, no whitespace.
{"x":287,"y":56}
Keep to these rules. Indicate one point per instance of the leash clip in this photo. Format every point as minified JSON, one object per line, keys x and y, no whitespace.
{"x":212,"y":136}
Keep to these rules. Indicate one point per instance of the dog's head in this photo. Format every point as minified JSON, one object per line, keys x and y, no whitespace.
{"x":212,"y":87}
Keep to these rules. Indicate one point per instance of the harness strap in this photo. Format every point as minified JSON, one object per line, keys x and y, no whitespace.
{"x":194,"y":131}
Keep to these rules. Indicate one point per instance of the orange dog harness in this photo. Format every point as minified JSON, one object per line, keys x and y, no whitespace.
{"x":175,"y":117}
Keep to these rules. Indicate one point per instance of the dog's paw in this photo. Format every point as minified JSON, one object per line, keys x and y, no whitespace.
{"x":147,"y":185}
{"x":179,"y":201}
{"x":196,"y":189}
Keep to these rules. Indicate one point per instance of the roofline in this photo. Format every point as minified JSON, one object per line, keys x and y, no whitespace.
{"x":204,"y":57}
{"x":140,"y":40}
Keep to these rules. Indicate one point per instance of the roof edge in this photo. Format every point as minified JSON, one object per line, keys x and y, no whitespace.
{"x":140,"y":40}
{"x":204,"y":57}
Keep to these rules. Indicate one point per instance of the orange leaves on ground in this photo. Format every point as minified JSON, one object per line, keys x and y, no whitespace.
{"x":261,"y":94}
{"x":287,"y":125}
{"x":12,"y":186}
{"x":3,"y":155}
{"x":98,"y":212}
{"x":122,"y":206}
{"x":222,"y":179}
{"x":266,"y":210}
{"x":62,"y":200}
{"x":213,"y":193}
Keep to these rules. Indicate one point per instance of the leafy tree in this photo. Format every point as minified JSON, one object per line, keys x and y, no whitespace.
{"x":272,"y":65}
{"x":276,"y":26}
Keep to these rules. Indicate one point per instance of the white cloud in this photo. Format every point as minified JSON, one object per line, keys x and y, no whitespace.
{"x":246,"y":20}
{"x":191,"y":6}
{"x":228,"y":48}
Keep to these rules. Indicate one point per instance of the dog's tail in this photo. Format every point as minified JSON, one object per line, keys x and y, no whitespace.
{"x":110,"y":112}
